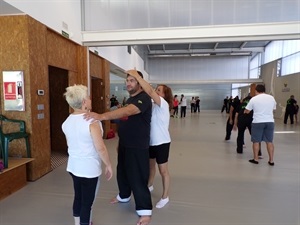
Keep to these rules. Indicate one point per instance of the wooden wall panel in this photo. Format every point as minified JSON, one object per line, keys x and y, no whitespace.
{"x":82,"y":73}
{"x":14,"y":55}
{"x":96,"y":65}
{"x":61,"y":52}
{"x":40,"y":133}
{"x":28,"y":45}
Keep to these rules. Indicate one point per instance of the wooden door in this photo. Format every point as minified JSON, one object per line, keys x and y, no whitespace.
{"x":59,"y":108}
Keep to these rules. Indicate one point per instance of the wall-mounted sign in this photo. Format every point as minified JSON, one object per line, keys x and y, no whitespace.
{"x":13,"y":91}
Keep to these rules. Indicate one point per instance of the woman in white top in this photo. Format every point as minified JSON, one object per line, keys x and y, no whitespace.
{"x":159,"y":133}
{"x":86,"y":150}
{"x":183,"y":105}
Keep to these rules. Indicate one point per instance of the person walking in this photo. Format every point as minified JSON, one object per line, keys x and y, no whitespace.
{"x":175,"y":106}
{"x":230,"y":121}
{"x":193,"y":104}
{"x":133,"y":148}
{"x":290,"y":109}
{"x":242,"y":122}
{"x":225,"y":105}
{"x":183,"y":105}
{"x":160,"y":139}
{"x":262,"y":128}
{"x":86,"y":150}
{"x":296,"y":113}
{"x":197,"y":105}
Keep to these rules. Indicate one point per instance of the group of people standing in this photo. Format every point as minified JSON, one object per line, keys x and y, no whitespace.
{"x":195,"y":104}
{"x":182,"y":102}
{"x":256,"y":114}
{"x":226,"y":104}
{"x":144,"y":141}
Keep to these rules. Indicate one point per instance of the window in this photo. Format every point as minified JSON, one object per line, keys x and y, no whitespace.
{"x":290,"y":64}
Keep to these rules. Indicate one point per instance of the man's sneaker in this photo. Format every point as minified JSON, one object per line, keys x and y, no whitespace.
{"x":162,"y":202}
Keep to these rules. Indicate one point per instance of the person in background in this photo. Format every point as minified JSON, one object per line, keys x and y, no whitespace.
{"x":86,"y":150}
{"x":230,"y":122}
{"x":290,"y":109}
{"x":225,"y":105}
{"x":197,"y":105}
{"x":113,"y":99}
{"x":124,"y":101}
{"x":175,"y":106}
{"x":262,"y":127}
{"x":160,"y":139}
{"x":133,"y":148}
{"x":296,"y":113}
{"x":230,"y":101}
{"x":193,"y":103}
{"x":182,"y":106}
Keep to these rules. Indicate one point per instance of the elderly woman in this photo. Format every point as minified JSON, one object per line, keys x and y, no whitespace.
{"x":86,"y":151}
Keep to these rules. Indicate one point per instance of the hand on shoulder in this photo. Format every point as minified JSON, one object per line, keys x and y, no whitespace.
{"x":92,"y":115}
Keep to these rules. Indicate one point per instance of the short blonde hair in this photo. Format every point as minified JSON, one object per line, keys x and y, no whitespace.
{"x":75,"y":95}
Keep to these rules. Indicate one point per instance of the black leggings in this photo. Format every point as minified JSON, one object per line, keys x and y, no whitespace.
{"x":85,"y":192}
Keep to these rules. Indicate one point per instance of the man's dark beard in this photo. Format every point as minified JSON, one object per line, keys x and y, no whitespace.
{"x":133,"y":91}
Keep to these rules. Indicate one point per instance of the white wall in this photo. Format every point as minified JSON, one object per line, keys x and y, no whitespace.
{"x":54,"y":14}
{"x":120,"y":57}
{"x":134,"y":14}
{"x":198,"y":68}
{"x":280,"y":87}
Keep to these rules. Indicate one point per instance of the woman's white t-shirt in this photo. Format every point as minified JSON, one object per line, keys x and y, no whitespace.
{"x":159,"y":132}
{"x":84,"y":160}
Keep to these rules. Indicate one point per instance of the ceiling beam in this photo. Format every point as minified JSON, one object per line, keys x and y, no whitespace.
{"x":216,"y":45}
{"x":209,"y":50}
{"x":243,"y":45}
{"x":202,"y":34}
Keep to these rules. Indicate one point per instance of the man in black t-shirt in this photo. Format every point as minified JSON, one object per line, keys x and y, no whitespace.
{"x":241,"y":123}
{"x":133,"y":149}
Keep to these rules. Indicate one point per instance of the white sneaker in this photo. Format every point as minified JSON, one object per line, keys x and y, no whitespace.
{"x":162,"y":202}
{"x":151,"y":188}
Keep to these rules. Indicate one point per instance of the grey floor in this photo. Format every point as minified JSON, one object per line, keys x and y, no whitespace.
{"x":210,"y":185}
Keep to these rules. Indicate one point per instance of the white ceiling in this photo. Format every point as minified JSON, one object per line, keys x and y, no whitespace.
{"x":164,"y":27}
{"x":186,"y":27}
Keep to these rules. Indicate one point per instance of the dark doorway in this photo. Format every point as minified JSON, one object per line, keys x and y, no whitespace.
{"x":59,"y":108}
